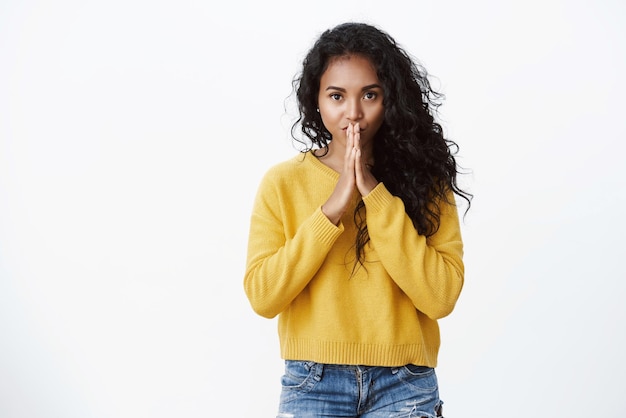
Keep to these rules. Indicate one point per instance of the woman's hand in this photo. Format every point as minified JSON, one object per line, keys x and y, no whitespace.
{"x":365,"y":180}
{"x":355,"y":173}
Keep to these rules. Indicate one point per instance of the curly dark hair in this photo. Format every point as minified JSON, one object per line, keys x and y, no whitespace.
{"x":411,"y":155}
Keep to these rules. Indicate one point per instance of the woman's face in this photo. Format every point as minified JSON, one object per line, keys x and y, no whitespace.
{"x":350,"y":92}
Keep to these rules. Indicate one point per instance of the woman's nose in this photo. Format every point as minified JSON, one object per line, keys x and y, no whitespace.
{"x":354,"y":111}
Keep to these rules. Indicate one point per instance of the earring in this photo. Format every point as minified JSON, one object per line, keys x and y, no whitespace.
{"x":318,"y":110}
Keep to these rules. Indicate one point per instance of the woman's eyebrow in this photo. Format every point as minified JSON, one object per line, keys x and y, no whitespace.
{"x":372,"y":86}
{"x":368,"y":87}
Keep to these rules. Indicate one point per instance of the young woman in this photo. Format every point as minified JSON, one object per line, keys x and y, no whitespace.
{"x":355,"y":242}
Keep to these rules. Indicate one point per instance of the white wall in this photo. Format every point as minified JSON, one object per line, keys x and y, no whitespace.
{"x":133,"y":135}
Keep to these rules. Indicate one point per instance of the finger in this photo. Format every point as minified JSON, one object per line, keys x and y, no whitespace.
{"x":358,"y":166}
{"x":349,"y":140}
{"x":357,"y":136}
{"x":350,"y":133}
{"x":351,"y":163}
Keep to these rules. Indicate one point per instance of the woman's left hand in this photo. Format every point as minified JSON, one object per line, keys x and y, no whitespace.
{"x":365,"y":180}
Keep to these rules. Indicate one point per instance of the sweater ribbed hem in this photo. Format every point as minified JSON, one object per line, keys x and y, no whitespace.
{"x":383,"y":355}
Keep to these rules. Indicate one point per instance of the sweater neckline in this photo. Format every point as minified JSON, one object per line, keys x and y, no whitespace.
{"x":321,"y":166}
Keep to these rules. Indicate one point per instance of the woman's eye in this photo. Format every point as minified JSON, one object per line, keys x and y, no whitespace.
{"x":335,"y":96}
{"x":370,"y":95}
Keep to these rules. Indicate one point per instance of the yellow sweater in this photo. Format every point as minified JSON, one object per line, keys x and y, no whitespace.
{"x":299,"y":264}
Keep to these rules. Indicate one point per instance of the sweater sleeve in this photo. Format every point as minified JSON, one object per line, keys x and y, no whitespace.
{"x":279,"y":267}
{"x":430,"y":271}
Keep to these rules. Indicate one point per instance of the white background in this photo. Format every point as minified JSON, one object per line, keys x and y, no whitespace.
{"x":133,"y":135}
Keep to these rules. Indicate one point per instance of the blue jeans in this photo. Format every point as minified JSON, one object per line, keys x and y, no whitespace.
{"x":312,"y":390}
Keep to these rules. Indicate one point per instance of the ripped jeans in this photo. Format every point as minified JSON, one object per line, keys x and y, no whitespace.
{"x":313,"y":390}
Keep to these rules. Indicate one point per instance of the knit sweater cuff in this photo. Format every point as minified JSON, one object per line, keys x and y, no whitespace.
{"x":324,"y":229}
{"x":378,"y":198}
